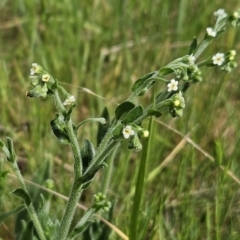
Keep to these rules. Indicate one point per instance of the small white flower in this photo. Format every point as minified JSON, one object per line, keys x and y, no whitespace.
{"x":173,"y":85}
{"x":191,"y":59}
{"x":69,"y":101}
{"x":127,"y":132}
{"x":218,"y":59}
{"x":45,"y":77}
{"x":211,"y":32}
{"x":220,"y":12}
{"x":35,"y":69}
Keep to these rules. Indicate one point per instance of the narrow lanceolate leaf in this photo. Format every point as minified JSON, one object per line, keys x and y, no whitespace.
{"x":154,"y":112}
{"x":143,"y":84}
{"x":123,"y":108}
{"x":28,"y":232}
{"x":87,"y":152}
{"x":133,"y":114}
{"x":117,"y":132}
{"x":3,"y":216}
{"x":22,"y":194}
{"x":193,"y":46}
{"x":11,"y":150}
{"x":5,"y":150}
{"x":3,"y":175}
{"x":165,"y":71}
{"x":102,"y":128}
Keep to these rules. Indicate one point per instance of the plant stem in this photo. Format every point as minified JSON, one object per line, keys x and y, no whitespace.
{"x":75,"y":150}
{"x":76,"y":188}
{"x":58,"y":103}
{"x":30,"y":208}
{"x":69,"y":211}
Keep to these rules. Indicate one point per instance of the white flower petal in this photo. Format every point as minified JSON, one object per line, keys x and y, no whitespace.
{"x":211,"y":32}
{"x":173,"y":85}
{"x":127,"y":132}
{"x":218,"y":59}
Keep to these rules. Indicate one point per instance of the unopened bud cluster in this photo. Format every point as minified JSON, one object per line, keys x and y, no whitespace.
{"x":42,"y":82}
{"x":177,"y":105}
{"x":100,"y":202}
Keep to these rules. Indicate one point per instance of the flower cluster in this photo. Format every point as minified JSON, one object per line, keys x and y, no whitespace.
{"x":229,"y":61}
{"x":220,"y":13}
{"x":188,"y":70}
{"x":69,"y":101}
{"x":235,"y":18}
{"x":224,"y":60}
{"x":222,"y":19}
{"x":177,"y":105}
{"x":42,"y":83}
{"x":133,"y":133}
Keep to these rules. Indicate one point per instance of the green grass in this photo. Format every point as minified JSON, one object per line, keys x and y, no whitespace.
{"x":105,"y":46}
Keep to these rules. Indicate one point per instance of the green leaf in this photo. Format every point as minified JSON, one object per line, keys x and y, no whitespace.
{"x":154,"y":112}
{"x":1,"y":143}
{"x":87,"y":152}
{"x":193,"y":46}
{"x":143,"y":84}
{"x":98,"y":230}
{"x":28,"y":231}
{"x":123,"y":108}
{"x":3,"y":175}
{"x":133,"y":114}
{"x":86,"y":179}
{"x":22,"y":194}
{"x":3,"y":216}
{"x":59,"y":129}
{"x":6,"y":151}
{"x":11,"y":150}
{"x":69,"y":112}
{"x":165,"y":71}
{"x":117,"y":132}
{"x":102,"y":128}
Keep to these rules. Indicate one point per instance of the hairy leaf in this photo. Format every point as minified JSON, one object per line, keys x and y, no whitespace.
{"x":123,"y":108}
{"x":143,"y":84}
{"x":133,"y":114}
{"x":22,"y":194}
{"x":102,"y":128}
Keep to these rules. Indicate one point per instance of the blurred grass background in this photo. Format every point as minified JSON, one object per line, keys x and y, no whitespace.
{"x":105,"y":46}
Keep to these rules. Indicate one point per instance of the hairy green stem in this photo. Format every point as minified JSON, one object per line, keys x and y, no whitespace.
{"x":30,"y":208}
{"x":58,"y":102}
{"x":69,"y":212}
{"x":76,"y":188}
{"x":75,"y":150}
